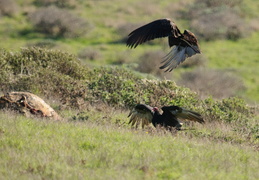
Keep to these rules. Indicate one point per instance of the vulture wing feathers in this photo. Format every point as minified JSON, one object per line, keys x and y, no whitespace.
{"x":141,"y":114}
{"x":184,"y":114}
{"x":156,"y":29}
{"x":144,"y":115}
{"x":184,"y":45}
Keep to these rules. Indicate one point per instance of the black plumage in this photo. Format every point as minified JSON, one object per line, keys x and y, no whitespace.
{"x":144,"y":115}
{"x":183,"y":45}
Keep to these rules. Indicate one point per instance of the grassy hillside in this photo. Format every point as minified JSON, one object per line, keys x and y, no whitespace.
{"x":239,"y":57}
{"x":110,"y":23}
{"x":41,"y":149}
{"x":81,"y":67}
{"x":95,"y":139}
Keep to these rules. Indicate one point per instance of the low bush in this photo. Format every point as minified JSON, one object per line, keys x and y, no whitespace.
{"x":58,"y":3}
{"x":62,"y":76}
{"x":220,"y":24}
{"x":90,"y":54}
{"x":150,"y":62}
{"x":25,"y":70}
{"x":231,"y":110}
{"x":8,"y":7}
{"x":200,"y":7}
{"x":120,"y":87}
{"x":123,"y":58}
{"x":45,"y":43}
{"x":57,"y":22}
{"x":222,"y":19}
{"x":217,"y":83}
{"x":220,"y":3}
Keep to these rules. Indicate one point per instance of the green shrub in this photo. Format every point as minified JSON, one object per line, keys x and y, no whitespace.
{"x":228,"y":110}
{"x":30,"y":61}
{"x":60,"y":75}
{"x":121,"y":87}
{"x":24,"y":69}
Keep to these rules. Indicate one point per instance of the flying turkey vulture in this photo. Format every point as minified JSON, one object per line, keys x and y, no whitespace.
{"x":183,"y":45}
{"x":144,"y":114}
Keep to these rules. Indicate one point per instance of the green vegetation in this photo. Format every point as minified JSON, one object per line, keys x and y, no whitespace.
{"x":92,"y":80}
{"x":97,"y":35}
{"x":36,"y":149}
{"x":239,"y":57}
{"x":95,"y":105}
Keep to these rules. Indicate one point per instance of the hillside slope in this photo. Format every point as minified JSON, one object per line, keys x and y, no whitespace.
{"x":106,"y":27}
{"x":95,"y":140}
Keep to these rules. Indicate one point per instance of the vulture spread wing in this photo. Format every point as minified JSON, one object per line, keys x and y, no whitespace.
{"x":184,"y":45}
{"x":141,"y":114}
{"x":184,"y":114}
{"x":156,"y":29}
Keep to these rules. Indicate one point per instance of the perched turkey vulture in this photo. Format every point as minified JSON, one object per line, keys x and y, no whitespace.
{"x":144,"y":114}
{"x":183,"y":45}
